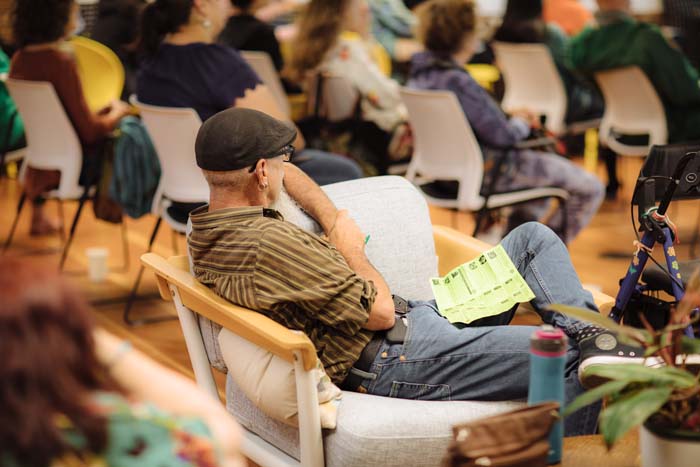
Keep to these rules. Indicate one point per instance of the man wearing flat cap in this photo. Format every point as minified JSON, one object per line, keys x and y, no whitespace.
{"x":327,"y":288}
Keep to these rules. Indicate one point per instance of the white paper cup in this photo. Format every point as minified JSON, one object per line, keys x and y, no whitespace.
{"x":97,"y":263}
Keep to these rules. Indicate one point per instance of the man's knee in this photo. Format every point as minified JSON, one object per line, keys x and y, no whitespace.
{"x":530,"y":238}
{"x":532,"y":232}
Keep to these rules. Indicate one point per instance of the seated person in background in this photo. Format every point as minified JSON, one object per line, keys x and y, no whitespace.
{"x":117,"y":27}
{"x":570,"y":15}
{"x":333,"y":38}
{"x":11,"y":127}
{"x":619,"y":40}
{"x":446,"y":28}
{"x":71,"y":394}
{"x":40,"y":29}
{"x":523,"y":23}
{"x":244,"y":31}
{"x":183,"y":67}
{"x":326,"y":286}
{"x":392,"y":26}
{"x":684,"y":17}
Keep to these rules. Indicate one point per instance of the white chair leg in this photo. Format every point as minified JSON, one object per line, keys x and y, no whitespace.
{"x":195,"y":346}
{"x":310,"y":437}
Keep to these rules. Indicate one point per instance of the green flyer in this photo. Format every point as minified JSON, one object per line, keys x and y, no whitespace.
{"x":485,"y":286}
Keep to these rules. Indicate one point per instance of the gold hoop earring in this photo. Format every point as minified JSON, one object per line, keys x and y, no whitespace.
{"x":263,"y":186}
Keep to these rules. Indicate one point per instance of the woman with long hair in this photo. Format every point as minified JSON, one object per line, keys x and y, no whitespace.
{"x":333,"y":38}
{"x":447,"y":30}
{"x":74,"y":395}
{"x":40,"y":30}
{"x":184,"y":67}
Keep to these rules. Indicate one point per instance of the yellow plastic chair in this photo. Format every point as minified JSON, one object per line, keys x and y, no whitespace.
{"x":100,"y":70}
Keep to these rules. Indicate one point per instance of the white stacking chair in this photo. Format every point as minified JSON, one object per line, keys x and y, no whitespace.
{"x":332,"y":97}
{"x":52,"y":144}
{"x":532,"y":82}
{"x":339,"y":98}
{"x":445,"y":148}
{"x":632,"y":107}
{"x":263,"y":66}
{"x":173,"y":132}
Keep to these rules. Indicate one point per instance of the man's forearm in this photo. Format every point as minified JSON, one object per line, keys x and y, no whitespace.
{"x":382,"y":313}
{"x":310,"y":196}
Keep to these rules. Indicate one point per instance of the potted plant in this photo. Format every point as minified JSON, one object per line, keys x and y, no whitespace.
{"x":662,"y":396}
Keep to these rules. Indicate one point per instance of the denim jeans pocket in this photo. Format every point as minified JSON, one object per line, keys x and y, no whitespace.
{"x":419,"y":391}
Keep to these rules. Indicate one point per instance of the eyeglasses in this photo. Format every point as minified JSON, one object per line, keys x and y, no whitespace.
{"x":287,"y":151}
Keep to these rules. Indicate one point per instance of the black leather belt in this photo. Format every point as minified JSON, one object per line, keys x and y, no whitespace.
{"x":353,"y":381}
{"x":364,"y":363}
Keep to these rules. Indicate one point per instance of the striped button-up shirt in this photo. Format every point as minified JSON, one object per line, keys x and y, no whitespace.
{"x":255,"y":259}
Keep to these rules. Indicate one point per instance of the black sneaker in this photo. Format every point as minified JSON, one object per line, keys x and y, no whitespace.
{"x":600,"y":347}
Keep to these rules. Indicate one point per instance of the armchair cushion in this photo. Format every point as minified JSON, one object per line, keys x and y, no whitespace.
{"x":372,"y":430}
{"x":268,"y":381}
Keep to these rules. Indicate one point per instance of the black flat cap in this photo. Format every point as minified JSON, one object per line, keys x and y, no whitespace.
{"x":236,"y":138}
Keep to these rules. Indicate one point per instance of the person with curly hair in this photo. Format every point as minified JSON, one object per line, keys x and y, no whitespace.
{"x":447,"y":29}
{"x":40,"y":29}
{"x":71,"y":394}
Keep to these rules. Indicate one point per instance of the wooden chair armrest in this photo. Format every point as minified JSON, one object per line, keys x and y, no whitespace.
{"x":249,"y":324}
{"x":454,"y":248}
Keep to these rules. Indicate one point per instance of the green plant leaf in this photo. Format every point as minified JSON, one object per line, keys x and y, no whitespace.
{"x":618,"y":418}
{"x":594,"y":395}
{"x":676,"y":327}
{"x":690,"y":345}
{"x":583,"y":314}
{"x":636,"y":373}
{"x":665,"y":340}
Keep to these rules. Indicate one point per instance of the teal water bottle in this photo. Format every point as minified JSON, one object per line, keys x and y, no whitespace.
{"x":547,"y":360}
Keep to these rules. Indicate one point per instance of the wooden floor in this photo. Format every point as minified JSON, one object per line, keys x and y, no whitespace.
{"x":610,"y":230}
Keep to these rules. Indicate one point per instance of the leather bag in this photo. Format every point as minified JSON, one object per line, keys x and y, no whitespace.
{"x":514,"y":439}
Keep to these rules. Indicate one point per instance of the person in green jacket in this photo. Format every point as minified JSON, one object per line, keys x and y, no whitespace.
{"x":11,"y":128}
{"x":619,"y":40}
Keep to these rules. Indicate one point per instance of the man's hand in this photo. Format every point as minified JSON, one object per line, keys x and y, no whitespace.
{"x":346,"y":235}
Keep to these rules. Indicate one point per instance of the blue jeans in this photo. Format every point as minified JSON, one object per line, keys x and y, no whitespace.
{"x":539,"y":169}
{"x":325,"y":168}
{"x":489,"y":362}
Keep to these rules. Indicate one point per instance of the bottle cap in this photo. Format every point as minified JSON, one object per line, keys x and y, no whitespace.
{"x":548,"y":341}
